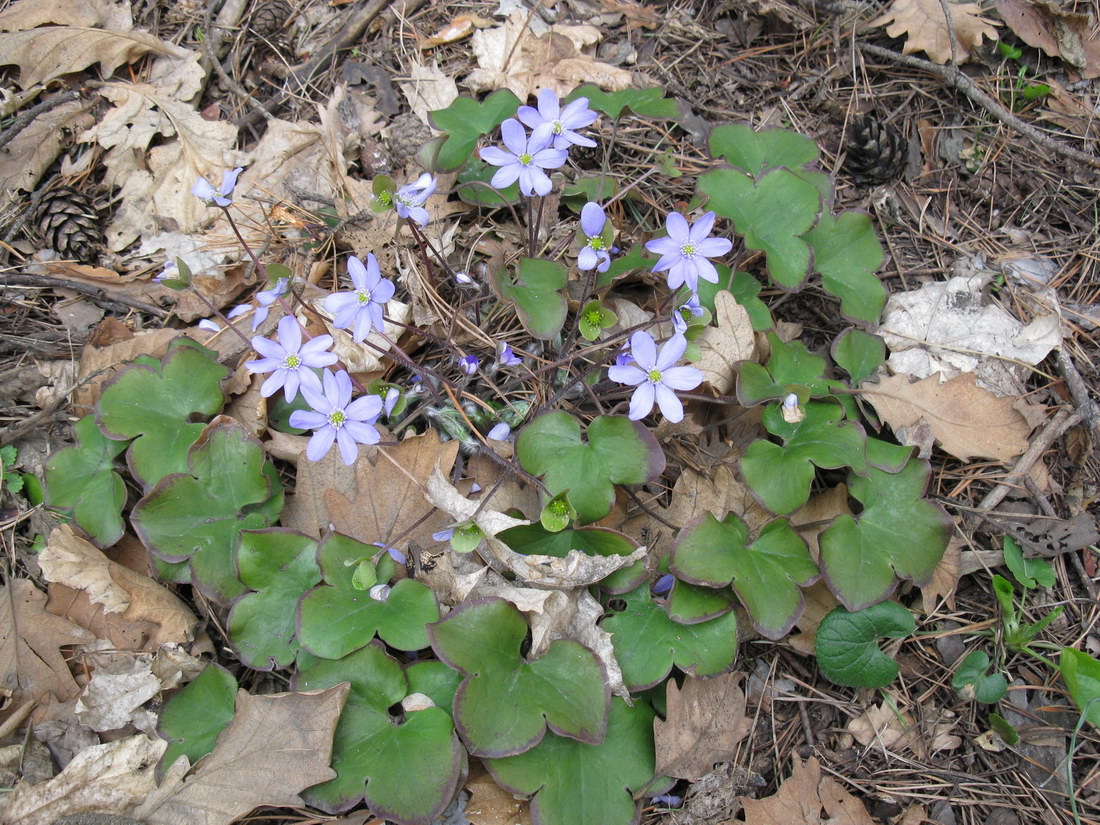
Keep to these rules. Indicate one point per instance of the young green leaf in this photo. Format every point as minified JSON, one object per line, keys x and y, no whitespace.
{"x":537,"y":540}
{"x":973,"y":680}
{"x":196,"y":516}
{"x":406,"y":765}
{"x":338,"y":618}
{"x":618,"y":451}
{"x":194,"y":716}
{"x":846,"y":254}
{"x":632,"y":261}
{"x":278,"y":566}
{"x":1030,"y":573}
{"x":781,"y":476}
{"x":506,"y":702}
{"x":771,"y":213}
{"x":898,"y":534}
{"x":1081,"y":674}
{"x":648,"y":643}
{"x":765,"y":574}
{"x":858,"y":353}
{"x":572,"y":782}
{"x":536,"y":292}
{"x":557,"y":514}
{"x":465,"y":121}
{"x":754,"y":152}
{"x":847,"y":644}
{"x":155,"y":405}
{"x":650,"y":103}
{"x":690,"y":604}
{"x":791,"y":368}
{"x":81,"y":481}
{"x":1004,"y":729}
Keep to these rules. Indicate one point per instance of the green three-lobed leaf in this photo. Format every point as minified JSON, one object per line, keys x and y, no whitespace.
{"x":337,"y":617}
{"x":406,"y":766}
{"x":618,"y":451}
{"x":648,"y":643}
{"x":506,"y":702}
{"x":81,"y":480}
{"x":847,"y":253}
{"x":765,"y":574}
{"x":277,"y":566}
{"x":465,"y":121}
{"x":536,"y":290}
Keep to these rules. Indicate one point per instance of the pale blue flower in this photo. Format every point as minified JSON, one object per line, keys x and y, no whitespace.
{"x":505,"y":356}
{"x":499,"y":432}
{"x":524,"y":160}
{"x":469,"y":364}
{"x":221,"y":196}
{"x":443,"y":535}
{"x":655,"y":376}
{"x":265,"y":298}
{"x":593,"y":254}
{"x":389,"y":401}
{"x":335,"y":417}
{"x":685,"y":251}
{"x":551,"y":122}
{"x":170,"y":271}
{"x":208,"y":325}
{"x":679,"y":315}
{"x":409,"y":200}
{"x":361,"y":308}
{"x":395,"y":554}
{"x":290,"y":362}
{"x":463,"y":279}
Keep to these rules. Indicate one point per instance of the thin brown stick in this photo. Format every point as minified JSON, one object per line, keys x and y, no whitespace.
{"x":1051,"y":432}
{"x":97,"y":293}
{"x":957,"y":80}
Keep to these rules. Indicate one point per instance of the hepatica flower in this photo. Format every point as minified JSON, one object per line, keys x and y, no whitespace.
{"x":593,"y":254}
{"x":409,"y":200}
{"x":685,"y":251}
{"x":204,"y":190}
{"x":289,"y":361}
{"x":335,"y":417}
{"x":655,"y":377}
{"x":524,"y":160}
{"x":506,"y":357}
{"x":469,"y":364}
{"x":361,"y":308}
{"x":550,"y":122}
{"x":681,"y":313}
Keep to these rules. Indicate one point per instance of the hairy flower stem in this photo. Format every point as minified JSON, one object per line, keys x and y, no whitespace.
{"x":259,"y":267}
{"x":221,"y":317}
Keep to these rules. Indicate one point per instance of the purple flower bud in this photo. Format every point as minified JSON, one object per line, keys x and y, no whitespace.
{"x":395,"y":554}
{"x":208,"y":325}
{"x":390,"y":400}
{"x":506,"y":357}
{"x":469,"y":364}
{"x":443,"y":535}
{"x":663,"y":584}
{"x":499,"y":432}
{"x":463,"y":279}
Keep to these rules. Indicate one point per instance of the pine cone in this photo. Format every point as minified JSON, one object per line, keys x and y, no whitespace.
{"x":69,"y":223}
{"x":876,"y":151}
{"x":407,"y":135}
{"x":269,"y":17}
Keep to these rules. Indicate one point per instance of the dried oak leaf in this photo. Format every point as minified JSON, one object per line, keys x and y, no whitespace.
{"x":802,"y":798}
{"x":101,"y":14}
{"x":76,"y":563}
{"x":925,"y":28}
{"x":705,"y":721}
{"x":1059,"y":33}
{"x":726,"y":344}
{"x":276,"y":746}
{"x":31,"y":664}
{"x":966,"y":420}
{"x":112,"y":777}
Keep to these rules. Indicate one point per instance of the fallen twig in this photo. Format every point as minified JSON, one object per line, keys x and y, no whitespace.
{"x":1051,"y":432}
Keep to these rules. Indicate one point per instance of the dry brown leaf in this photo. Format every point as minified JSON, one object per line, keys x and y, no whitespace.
{"x":112,"y":777}
{"x":24,"y":160}
{"x":884,"y":726}
{"x":380,"y":498}
{"x":428,"y":89}
{"x":70,"y":560}
{"x":720,"y":494}
{"x":801,"y":799}
{"x":966,"y":419}
{"x":726,"y":344}
{"x":925,"y":28}
{"x":102,"y":14}
{"x":552,"y":60}
{"x":31,"y":664}
{"x":819,"y":511}
{"x":1057,"y":32}
{"x":819,"y":602}
{"x":46,"y":53}
{"x":489,"y":804}
{"x":460,"y":26}
{"x":705,"y":721}
{"x":276,"y":746}
{"x":156,"y":182}
{"x":636,"y":14}
{"x":945,"y":578}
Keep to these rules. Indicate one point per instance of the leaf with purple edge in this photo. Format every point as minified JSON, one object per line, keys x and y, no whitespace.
{"x":765,"y":574}
{"x":406,"y":765}
{"x":506,"y":702}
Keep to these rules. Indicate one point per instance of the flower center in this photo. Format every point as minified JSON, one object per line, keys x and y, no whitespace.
{"x":596,"y":242}
{"x":385,"y":198}
{"x":559,"y":508}
{"x":405,"y":200}
{"x":593,"y":318}
{"x":688,"y":249}
{"x":363,"y":296}
{"x":654,"y":376}
{"x":337,"y":418}
{"x":292,"y":361}
{"x":526,"y":159}
{"x":559,"y":127}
